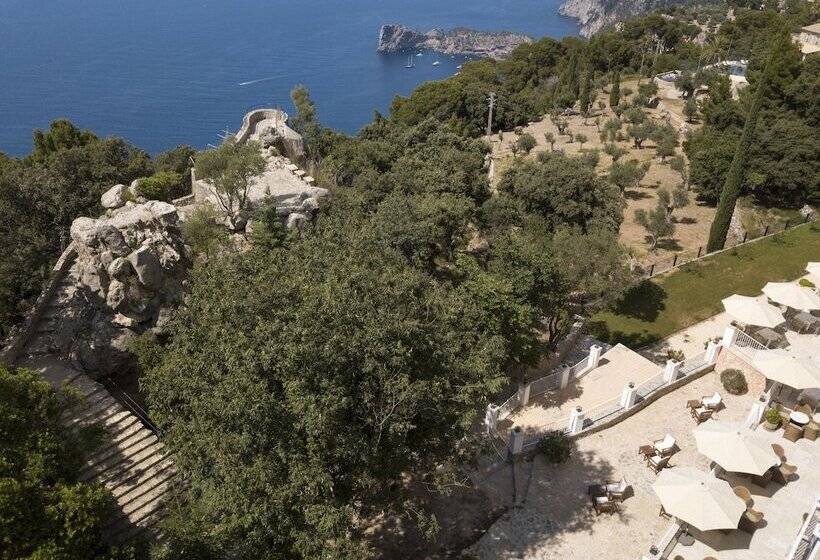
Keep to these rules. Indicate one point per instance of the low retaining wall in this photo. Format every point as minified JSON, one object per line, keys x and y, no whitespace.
{"x":22,"y":335}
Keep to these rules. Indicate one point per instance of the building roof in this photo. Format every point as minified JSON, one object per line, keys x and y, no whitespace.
{"x":813,"y":28}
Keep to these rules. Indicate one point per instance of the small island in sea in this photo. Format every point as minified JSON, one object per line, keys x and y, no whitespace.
{"x":462,"y":41}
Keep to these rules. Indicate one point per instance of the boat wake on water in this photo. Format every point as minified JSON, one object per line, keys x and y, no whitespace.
{"x":257,"y":81}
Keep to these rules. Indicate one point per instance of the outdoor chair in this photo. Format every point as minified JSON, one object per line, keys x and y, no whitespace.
{"x":779,"y":451}
{"x":792,"y":432}
{"x":764,"y":479}
{"x":603,"y":504}
{"x":783,"y":473}
{"x":750,"y":521}
{"x":712,"y":402}
{"x":657,"y":463}
{"x":743,"y":493}
{"x":701,"y":415}
{"x":617,"y":490}
{"x":665,"y":446}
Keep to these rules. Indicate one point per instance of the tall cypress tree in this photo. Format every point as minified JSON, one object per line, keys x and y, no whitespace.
{"x":734,"y":178}
{"x":615,"y":91}
{"x":585,"y":95}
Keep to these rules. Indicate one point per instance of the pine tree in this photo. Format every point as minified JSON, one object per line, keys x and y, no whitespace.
{"x":734,"y":178}
{"x":585,"y":95}
{"x":615,"y":92}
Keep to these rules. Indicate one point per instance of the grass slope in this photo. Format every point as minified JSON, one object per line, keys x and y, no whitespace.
{"x":666,"y":304}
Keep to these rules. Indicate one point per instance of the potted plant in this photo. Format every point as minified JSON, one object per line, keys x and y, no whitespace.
{"x":771,"y":419}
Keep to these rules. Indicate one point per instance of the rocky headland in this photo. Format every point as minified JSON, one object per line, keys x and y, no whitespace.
{"x":397,"y":38}
{"x":594,"y":15}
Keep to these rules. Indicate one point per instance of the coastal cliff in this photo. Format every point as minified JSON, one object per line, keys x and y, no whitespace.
{"x":594,"y":15}
{"x":397,"y":38}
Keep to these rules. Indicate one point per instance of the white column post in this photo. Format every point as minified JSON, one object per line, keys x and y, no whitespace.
{"x":565,"y":377}
{"x":516,"y":443}
{"x":755,"y":415}
{"x":670,"y":372}
{"x":491,"y":419}
{"x":629,"y":396}
{"x":523,"y":394}
{"x":729,"y":336}
{"x":594,"y":356}
{"x":712,"y":352}
{"x":576,"y":420}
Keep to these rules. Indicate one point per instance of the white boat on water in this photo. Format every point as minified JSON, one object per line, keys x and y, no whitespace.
{"x":410,"y":63}
{"x":436,"y":63}
{"x":458,"y":67}
{"x":419,"y":54}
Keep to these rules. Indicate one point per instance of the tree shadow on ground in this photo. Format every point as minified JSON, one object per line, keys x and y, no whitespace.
{"x":631,"y":339}
{"x":685,"y":220}
{"x":551,"y":502}
{"x":645,"y":302}
{"x":669,"y":244}
{"x":632,"y":194}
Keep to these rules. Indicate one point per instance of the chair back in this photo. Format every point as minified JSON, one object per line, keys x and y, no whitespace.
{"x":805,"y":409}
{"x":743,"y":493}
{"x":668,"y":441}
{"x":779,"y":451}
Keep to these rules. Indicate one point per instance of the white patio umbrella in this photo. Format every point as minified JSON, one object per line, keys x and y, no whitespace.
{"x":792,"y":295}
{"x":698,"y":498}
{"x":805,"y":344}
{"x":813,"y":268}
{"x":735,"y":448}
{"x":795,"y":370}
{"x":752,"y":311}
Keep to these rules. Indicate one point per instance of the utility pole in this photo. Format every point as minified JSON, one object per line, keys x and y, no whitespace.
{"x":491,"y":101}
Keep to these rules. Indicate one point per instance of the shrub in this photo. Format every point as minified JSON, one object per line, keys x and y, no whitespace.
{"x":676,"y":355}
{"x":734,"y":381}
{"x":772,"y":416}
{"x":526,"y":143}
{"x":806,"y":283}
{"x":159,"y":186}
{"x":555,"y":446}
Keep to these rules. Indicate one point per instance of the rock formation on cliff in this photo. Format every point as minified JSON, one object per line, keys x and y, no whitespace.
{"x":398,"y":38}
{"x":128,"y":273}
{"x":595,"y":15}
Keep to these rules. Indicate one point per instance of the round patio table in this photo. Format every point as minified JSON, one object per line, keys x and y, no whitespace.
{"x":799,"y":418}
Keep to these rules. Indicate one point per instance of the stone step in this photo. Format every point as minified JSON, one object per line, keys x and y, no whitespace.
{"x":122,"y":445}
{"x":139,"y":474}
{"x":132,"y":500}
{"x":124,"y":528}
{"x":96,"y":412}
{"x":124,"y":463}
{"x":121,"y":456}
{"x":87,"y":404}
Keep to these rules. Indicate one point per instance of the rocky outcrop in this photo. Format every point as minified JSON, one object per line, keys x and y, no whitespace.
{"x":595,"y":15}
{"x":129,"y":270}
{"x":397,"y":38}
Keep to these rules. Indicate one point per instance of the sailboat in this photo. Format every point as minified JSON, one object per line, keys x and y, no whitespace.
{"x":436,"y":63}
{"x":410,"y":63}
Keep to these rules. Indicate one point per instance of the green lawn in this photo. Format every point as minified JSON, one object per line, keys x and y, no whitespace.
{"x":659,"y":307}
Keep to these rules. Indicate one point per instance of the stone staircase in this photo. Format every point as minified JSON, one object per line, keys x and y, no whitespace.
{"x":131,"y":461}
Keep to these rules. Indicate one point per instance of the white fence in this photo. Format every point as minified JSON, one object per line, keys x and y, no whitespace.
{"x":747,"y":345}
{"x":583,"y":420}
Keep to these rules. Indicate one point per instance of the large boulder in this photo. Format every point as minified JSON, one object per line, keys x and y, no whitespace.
{"x":129,"y":273}
{"x":115,"y":197}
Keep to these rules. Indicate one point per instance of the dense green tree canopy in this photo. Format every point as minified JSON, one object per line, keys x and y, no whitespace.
{"x":45,"y":512}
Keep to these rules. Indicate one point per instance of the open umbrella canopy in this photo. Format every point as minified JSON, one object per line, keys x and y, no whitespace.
{"x":813,"y":268}
{"x":752,"y":311}
{"x":698,"y":498}
{"x":805,"y":344}
{"x":735,"y":448}
{"x":792,"y":295}
{"x":795,"y":370}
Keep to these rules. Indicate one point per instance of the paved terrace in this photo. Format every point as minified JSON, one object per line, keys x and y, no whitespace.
{"x":553,"y":519}
{"x":616,"y":368}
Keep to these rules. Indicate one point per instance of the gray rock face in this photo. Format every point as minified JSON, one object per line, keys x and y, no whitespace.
{"x":114,"y":197}
{"x":595,"y":15}
{"x":130,"y":269}
{"x":398,"y":38}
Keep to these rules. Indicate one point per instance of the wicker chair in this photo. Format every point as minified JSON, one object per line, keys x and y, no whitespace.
{"x":783,"y":473}
{"x":792,"y":432}
{"x":750,"y":521}
{"x":779,"y":451}
{"x":811,"y":430}
{"x":743,"y":493}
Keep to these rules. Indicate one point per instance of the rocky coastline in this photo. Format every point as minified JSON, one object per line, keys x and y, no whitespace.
{"x":395,"y":38}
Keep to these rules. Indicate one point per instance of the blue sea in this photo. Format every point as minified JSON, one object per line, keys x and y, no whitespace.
{"x":166,"y":72}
